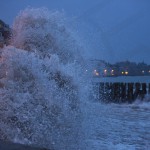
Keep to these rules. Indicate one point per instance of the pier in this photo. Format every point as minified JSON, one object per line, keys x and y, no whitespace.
{"x":120,"y":92}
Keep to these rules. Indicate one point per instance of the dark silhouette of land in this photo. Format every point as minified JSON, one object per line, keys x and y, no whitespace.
{"x":123,"y":68}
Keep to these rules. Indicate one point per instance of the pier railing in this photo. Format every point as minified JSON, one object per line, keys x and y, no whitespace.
{"x":120,"y":92}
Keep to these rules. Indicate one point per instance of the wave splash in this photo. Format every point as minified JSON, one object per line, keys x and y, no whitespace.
{"x":42,"y":73}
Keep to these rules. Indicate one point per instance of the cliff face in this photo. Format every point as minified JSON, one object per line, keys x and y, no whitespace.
{"x":5,"y":33}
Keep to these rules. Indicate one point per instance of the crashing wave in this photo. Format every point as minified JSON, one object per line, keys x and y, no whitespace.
{"x":46,"y":33}
{"x":42,"y":76}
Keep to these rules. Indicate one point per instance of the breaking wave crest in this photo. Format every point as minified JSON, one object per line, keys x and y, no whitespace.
{"x":43,"y":82}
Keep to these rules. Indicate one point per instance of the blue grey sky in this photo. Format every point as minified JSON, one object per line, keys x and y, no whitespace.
{"x":113,"y":30}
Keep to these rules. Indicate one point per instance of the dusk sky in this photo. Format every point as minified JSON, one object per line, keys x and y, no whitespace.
{"x":113,"y":30}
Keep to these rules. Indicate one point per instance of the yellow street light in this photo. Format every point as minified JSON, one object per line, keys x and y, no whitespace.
{"x":97,"y":74}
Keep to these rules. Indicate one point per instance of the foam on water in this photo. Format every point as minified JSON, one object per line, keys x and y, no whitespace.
{"x":117,"y":126}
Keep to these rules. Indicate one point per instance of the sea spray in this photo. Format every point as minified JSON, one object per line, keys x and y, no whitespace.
{"x":44,"y":83}
{"x":46,"y":33}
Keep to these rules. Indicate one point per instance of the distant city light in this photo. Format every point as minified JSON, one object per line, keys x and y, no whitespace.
{"x":143,"y":71}
{"x":105,"y":72}
{"x":122,"y":72}
{"x":112,"y":72}
{"x":97,"y":74}
{"x":149,"y":71}
{"x":126,"y":72}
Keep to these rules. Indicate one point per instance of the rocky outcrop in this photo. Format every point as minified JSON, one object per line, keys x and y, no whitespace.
{"x":5,"y":34}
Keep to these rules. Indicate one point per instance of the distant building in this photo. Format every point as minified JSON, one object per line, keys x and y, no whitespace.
{"x":100,"y":68}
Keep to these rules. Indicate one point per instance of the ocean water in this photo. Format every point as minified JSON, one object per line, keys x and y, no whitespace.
{"x":117,"y":126}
